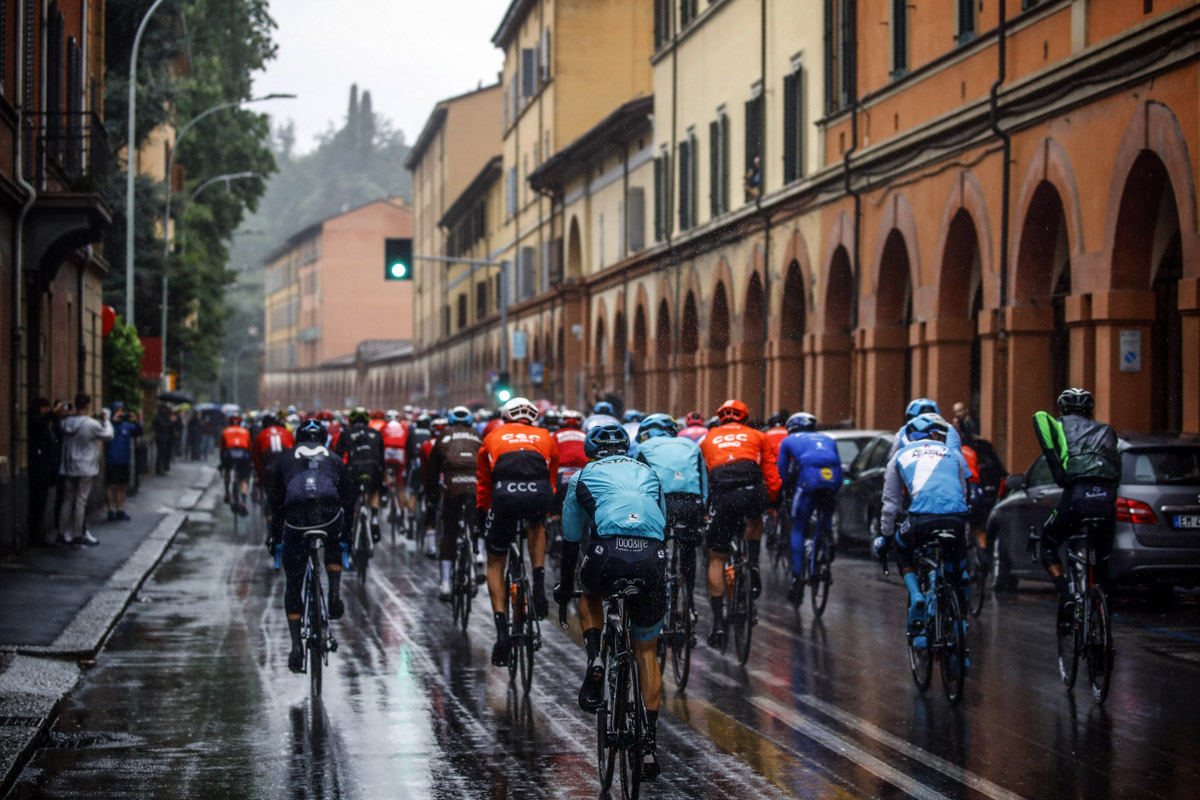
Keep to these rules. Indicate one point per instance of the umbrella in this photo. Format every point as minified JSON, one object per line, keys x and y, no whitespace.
{"x":205,"y":406}
{"x":229,"y":409}
{"x":176,"y":397}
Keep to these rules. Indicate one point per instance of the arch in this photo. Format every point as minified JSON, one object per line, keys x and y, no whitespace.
{"x":961,"y":270}
{"x":689,"y":331}
{"x":620,"y":345}
{"x":574,"y":251}
{"x":723,"y":277}
{"x":897,"y":228}
{"x":1045,"y":239}
{"x":662,"y":335}
{"x":841,"y":236}
{"x":754,"y":310}
{"x":894,"y":284}
{"x":966,"y":199}
{"x":793,"y":317}
{"x":1049,"y":167}
{"x":838,"y":307}
{"x":718,"y":319}
{"x":640,"y":351}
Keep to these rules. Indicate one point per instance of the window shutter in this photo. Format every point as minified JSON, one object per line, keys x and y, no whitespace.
{"x":514,"y":96}
{"x":846,"y":52}
{"x":545,"y":55}
{"x":685,"y":173}
{"x":789,"y":127}
{"x":528,"y":72}
{"x":966,"y":21}
{"x":714,"y":168}
{"x":899,"y":37}
{"x":693,"y":148}
{"x":830,"y":60}
{"x":724,"y":156}
{"x":658,"y":199}
{"x":637,"y":218}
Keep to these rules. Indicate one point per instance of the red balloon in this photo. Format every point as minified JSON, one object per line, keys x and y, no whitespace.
{"x":108,"y":318}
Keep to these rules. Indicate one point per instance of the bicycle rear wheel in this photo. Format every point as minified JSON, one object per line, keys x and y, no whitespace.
{"x":1068,"y":651}
{"x":631,"y":735}
{"x":952,"y":644}
{"x":821,"y":577}
{"x":977,"y":572}
{"x":361,"y":547}
{"x":516,"y":626}
{"x":920,"y":660}
{"x":681,"y":647}
{"x":1099,"y":644}
{"x":606,"y":717}
{"x":526,"y":648}
{"x":316,"y":643}
{"x":743,"y":614}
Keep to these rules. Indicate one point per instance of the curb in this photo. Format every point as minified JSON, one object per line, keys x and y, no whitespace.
{"x":39,"y":678}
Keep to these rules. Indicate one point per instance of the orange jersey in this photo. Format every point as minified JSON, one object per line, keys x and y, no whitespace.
{"x":775,"y":436}
{"x":377,"y":424}
{"x":972,"y":463}
{"x":515,"y":451}
{"x":235,"y":437}
{"x":729,"y":444}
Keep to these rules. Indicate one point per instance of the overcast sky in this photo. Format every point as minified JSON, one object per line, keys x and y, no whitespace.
{"x":408,"y":53}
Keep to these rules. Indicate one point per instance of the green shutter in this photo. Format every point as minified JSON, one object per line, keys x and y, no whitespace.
{"x":724,"y":156}
{"x":714,"y":168}
{"x":789,"y":128}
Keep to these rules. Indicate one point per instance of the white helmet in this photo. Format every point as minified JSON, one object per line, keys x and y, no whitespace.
{"x":391,"y":414}
{"x":519,"y":409}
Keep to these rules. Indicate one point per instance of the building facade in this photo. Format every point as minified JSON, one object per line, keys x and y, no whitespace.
{"x":53,"y":158}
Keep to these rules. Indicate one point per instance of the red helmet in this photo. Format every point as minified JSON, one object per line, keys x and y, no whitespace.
{"x":378,"y":414}
{"x":733,"y":411}
{"x":325,"y":416}
{"x":571,"y":418}
{"x":694,"y":418}
{"x":438,"y":425}
{"x":235,"y":419}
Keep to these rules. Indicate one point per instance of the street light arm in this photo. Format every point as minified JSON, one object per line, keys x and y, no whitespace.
{"x":231,"y":176}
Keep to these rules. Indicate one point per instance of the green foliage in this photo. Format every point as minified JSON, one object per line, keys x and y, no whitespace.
{"x":123,"y":363}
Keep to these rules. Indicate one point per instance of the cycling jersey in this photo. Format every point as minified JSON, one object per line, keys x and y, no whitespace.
{"x":235,"y":437}
{"x":377,"y":424}
{"x":362,"y":449}
{"x":570,"y":447}
{"x":596,"y":420}
{"x":454,"y":457}
{"x":412,"y":453}
{"x":334,"y":431}
{"x":739,"y":456}
{"x":775,"y":436}
{"x":694,"y":432}
{"x":810,"y":461}
{"x":395,"y":437}
{"x":678,"y":464}
{"x":516,"y":470}
{"x":1078,"y":448}
{"x":270,"y":443}
{"x":902,"y":440}
{"x":934,"y":476}
{"x":618,"y":496}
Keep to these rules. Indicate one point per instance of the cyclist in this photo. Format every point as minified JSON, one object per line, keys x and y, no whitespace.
{"x":378,"y":420}
{"x":516,"y":471}
{"x":308,"y":488}
{"x":430,"y":489}
{"x":777,"y":429}
{"x":602,"y":414}
{"x":632,"y":421}
{"x":361,"y":446}
{"x":932,"y":474}
{"x":621,"y":501}
{"x":916,"y":407}
{"x":810,"y":466}
{"x":552,"y":419}
{"x":237,"y":460}
{"x":571,"y":456}
{"x":418,"y":433}
{"x":693,"y":427}
{"x":743,"y":480}
{"x":453,"y":457}
{"x":1082,"y":456}
{"x":679,"y":465}
{"x":270,"y":443}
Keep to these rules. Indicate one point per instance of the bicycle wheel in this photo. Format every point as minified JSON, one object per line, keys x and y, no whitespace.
{"x":516,"y":626}
{"x":821,"y":577}
{"x":743,"y":617}
{"x":528,"y":637}
{"x":631,"y":733}
{"x":316,"y":643}
{"x":977,"y":570}
{"x":463,"y":587}
{"x":952,"y":644}
{"x":606,"y":717}
{"x":1068,"y":651}
{"x":920,"y":661}
{"x":361,"y":551}
{"x":1099,"y":644}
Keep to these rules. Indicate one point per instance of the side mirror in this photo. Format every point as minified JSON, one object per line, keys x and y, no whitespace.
{"x":1013,"y":483}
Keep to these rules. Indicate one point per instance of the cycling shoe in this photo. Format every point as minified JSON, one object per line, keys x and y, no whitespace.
{"x":650,"y":768}
{"x":336,"y":607}
{"x":716,"y":639}
{"x":591,"y":693}
{"x":795,"y":594}
{"x":501,"y":651}
{"x":916,"y":617}
{"x":296,"y":659}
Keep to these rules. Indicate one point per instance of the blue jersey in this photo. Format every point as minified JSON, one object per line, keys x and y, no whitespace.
{"x":678,"y":463}
{"x":617,"y":495}
{"x":933,"y":474}
{"x":811,"y":461}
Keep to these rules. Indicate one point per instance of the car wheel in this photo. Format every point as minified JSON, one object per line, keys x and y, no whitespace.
{"x":1003,"y":580}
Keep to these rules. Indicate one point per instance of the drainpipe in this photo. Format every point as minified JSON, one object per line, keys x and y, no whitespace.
{"x":1006,"y":183}
{"x":669,"y":179}
{"x":856,"y":266}
{"x":762,"y":188}
{"x":87,"y":262}
{"x":16,"y":404}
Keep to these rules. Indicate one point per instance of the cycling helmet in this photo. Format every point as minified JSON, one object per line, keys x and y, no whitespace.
{"x":1076,"y":401}
{"x":711,"y":423}
{"x":551,"y":419}
{"x":459,"y":415}
{"x":603,"y":407}
{"x":439,"y":425}
{"x":311,"y":431}
{"x":571,"y":418}
{"x":633,"y":415}
{"x":325,"y":416}
{"x":921,"y":405}
{"x":291,"y":409}
{"x":656,"y":425}
{"x":423,"y":420}
{"x":606,"y":440}
{"x":519,"y":409}
{"x":293,"y":420}
{"x":359,"y":416}
{"x":378,"y":414}
{"x":801,"y":422}
{"x":268,"y":420}
{"x":733,"y":411}
{"x":693,"y":418}
{"x":923,"y":426}
{"x":391,"y":414}
{"x":235,"y":419}
{"x":776,"y":420}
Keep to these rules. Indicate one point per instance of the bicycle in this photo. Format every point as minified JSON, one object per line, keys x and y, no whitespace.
{"x":314,"y":621}
{"x":621,"y":721}
{"x":1089,"y":635}
{"x":946,"y":637}
{"x":524,"y":631}
{"x":739,"y":600}
{"x":395,"y":515}
{"x":979,"y":564}
{"x":462,"y":577}
{"x":361,"y":548}
{"x":679,"y":627}
{"x":816,"y":570}
{"x":777,"y":533}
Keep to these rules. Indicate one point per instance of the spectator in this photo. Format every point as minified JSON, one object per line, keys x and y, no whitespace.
{"x":80,"y":466}
{"x":164,"y":439}
{"x":967,"y":427}
{"x":193,"y":436}
{"x":118,"y":455}
{"x":754,"y":180}
{"x":44,"y":453}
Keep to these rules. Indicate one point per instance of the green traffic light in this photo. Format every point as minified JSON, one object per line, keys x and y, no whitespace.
{"x":504,"y":395}
{"x":398,"y":270}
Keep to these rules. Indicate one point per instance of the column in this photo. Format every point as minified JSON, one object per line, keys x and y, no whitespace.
{"x":1189,"y":310}
{"x":785,"y":371}
{"x":1123,"y":386}
{"x":881,"y":389}
{"x":1078,"y":312}
{"x":1029,"y":375}
{"x":948,"y":362}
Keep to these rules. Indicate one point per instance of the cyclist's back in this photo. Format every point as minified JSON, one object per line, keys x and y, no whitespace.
{"x":694,"y":428}
{"x":808,"y":463}
{"x":272,"y":441}
{"x":454,"y":457}
{"x":679,"y":466}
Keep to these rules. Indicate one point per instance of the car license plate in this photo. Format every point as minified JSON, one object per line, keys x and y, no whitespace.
{"x":1187,"y":520}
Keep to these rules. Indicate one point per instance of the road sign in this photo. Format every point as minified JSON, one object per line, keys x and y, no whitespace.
{"x":536,"y":373}
{"x":518,"y":344}
{"x":1131,"y":351}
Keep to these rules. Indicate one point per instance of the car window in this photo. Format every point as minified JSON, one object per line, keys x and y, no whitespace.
{"x":860,"y":461}
{"x":1179,"y":466}
{"x":848,"y":449}
{"x":1039,"y":473}
{"x":879,"y":454}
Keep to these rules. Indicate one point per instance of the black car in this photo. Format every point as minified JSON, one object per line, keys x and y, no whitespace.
{"x":860,"y":500}
{"x":1157,"y":540}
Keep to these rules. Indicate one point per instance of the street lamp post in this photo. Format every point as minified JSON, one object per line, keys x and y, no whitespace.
{"x":130,"y":149}
{"x":475,"y":263}
{"x":236,"y":368}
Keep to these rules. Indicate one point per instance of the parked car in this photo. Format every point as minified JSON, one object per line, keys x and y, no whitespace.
{"x":860,"y":500}
{"x":850,"y":443}
{"x":1157,"y":540}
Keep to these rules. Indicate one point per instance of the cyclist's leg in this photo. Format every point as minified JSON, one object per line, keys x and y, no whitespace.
{"x":431,"y":512}
{"x":225,"y":470}
{"x":902,"y":555}
{"x":537,"y":558}
{"x":725,"y":519}
{"x":1055,"y":531}
{"x":499,"y":535}
{"x":294,"y":559}
{"x":333,"y":569}
{"x":802,"y":509}
{"x":596,"y":576}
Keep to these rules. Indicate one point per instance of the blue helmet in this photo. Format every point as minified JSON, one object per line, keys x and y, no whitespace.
{"x":606,"y":440}
{"x":801,"y":422}
{"x":925,"y":425}
{"x":459,"y":415}
{"x":312,"y":431}
{"x":921,"y":405}
{"x":633,"y":415}
{"x":603,"y":407}
{"x":656,"y":425}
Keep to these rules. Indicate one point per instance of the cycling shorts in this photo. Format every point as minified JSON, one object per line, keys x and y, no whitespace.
{"x":237,"y":460}
{"x":919,"y":529}
{"x":728,"y":511}
{"x":609,"y":559}
{"x":1082,"y":500}
{"x":508,"y":514}
{"x":393,"y":458}
{"x":685,"y":517}
{"x":369,"y":474}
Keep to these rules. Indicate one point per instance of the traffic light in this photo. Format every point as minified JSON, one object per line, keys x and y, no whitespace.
{"x":503,"y":389}
{"x":397,"y":259}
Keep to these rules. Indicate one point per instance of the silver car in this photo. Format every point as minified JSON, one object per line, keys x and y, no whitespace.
{"x":1157,"y":540}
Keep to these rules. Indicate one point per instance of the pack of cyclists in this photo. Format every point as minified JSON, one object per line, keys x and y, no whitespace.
{"x":621,"y":488}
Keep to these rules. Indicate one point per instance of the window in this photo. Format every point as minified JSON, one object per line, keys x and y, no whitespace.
{"x":687,"y":12}
{"x":687,"y":182}
{"x":510,"y":191}
{"x":718,"y":165}
{"x":527,"y":274}
{"x":965,"y":24}
{"x":446,"y":320}
{"x":481,"y":300}
{"x":514,"y":97}
{"x":754,"y":133}
{"x":662,"y":23}
{"x":839,"y":53}
{"x":528,"y":72}
{"x":899,"y":38}
{"x":793,"y":125}
{"x":662,"y":196}
{"x":545,"y":55}
{"x":462,"y":311}
{"x":637,"y":218}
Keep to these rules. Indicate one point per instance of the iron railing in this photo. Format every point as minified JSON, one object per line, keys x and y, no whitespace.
{"x":66,"y":151}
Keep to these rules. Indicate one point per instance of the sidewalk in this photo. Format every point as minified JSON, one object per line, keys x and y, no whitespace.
{"x":59,"y":604}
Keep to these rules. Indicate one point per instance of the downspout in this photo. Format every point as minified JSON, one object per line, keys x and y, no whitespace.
{"x":1006,"y":151}
{"x":87,"y":262}
{"x":856,"y":266}
{"x":762,"y":189}
{"x":18,"y":262}
{"x":668,"y":216}
{"x":626,"y":372}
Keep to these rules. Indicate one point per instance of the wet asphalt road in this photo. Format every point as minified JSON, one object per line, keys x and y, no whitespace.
{"x":192,"y":699}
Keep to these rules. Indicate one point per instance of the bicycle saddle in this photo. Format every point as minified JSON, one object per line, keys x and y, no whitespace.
{"x":626,"y":587}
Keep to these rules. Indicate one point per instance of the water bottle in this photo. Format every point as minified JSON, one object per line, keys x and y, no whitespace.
{"x":278,"y":555}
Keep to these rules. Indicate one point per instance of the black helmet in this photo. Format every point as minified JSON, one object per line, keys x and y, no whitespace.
{"x":606,"y":440}
{"x":1076,"y":401}
{"x":311,"y":432}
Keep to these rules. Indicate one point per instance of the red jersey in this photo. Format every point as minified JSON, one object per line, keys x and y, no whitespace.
{"x":377,"y":424}
{"x":395,"y":434}
{"x":514,"y":450}
{"x":570,"y":447}
{"x":269,"y":444}
{"x":491,"y":426}
{"x":736,"y":444}
{"x":427,"y":448}
{"x":334,"y":430}
{"x":775,"y":436}
{"x":235,"y":437}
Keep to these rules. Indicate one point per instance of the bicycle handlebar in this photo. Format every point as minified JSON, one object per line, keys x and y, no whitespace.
{"x":562,"y":610}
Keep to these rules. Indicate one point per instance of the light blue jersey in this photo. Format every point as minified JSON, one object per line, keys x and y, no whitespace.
{"x":617,"y":495}
{"x":935,"y":476}
{"x":678,"y":463}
